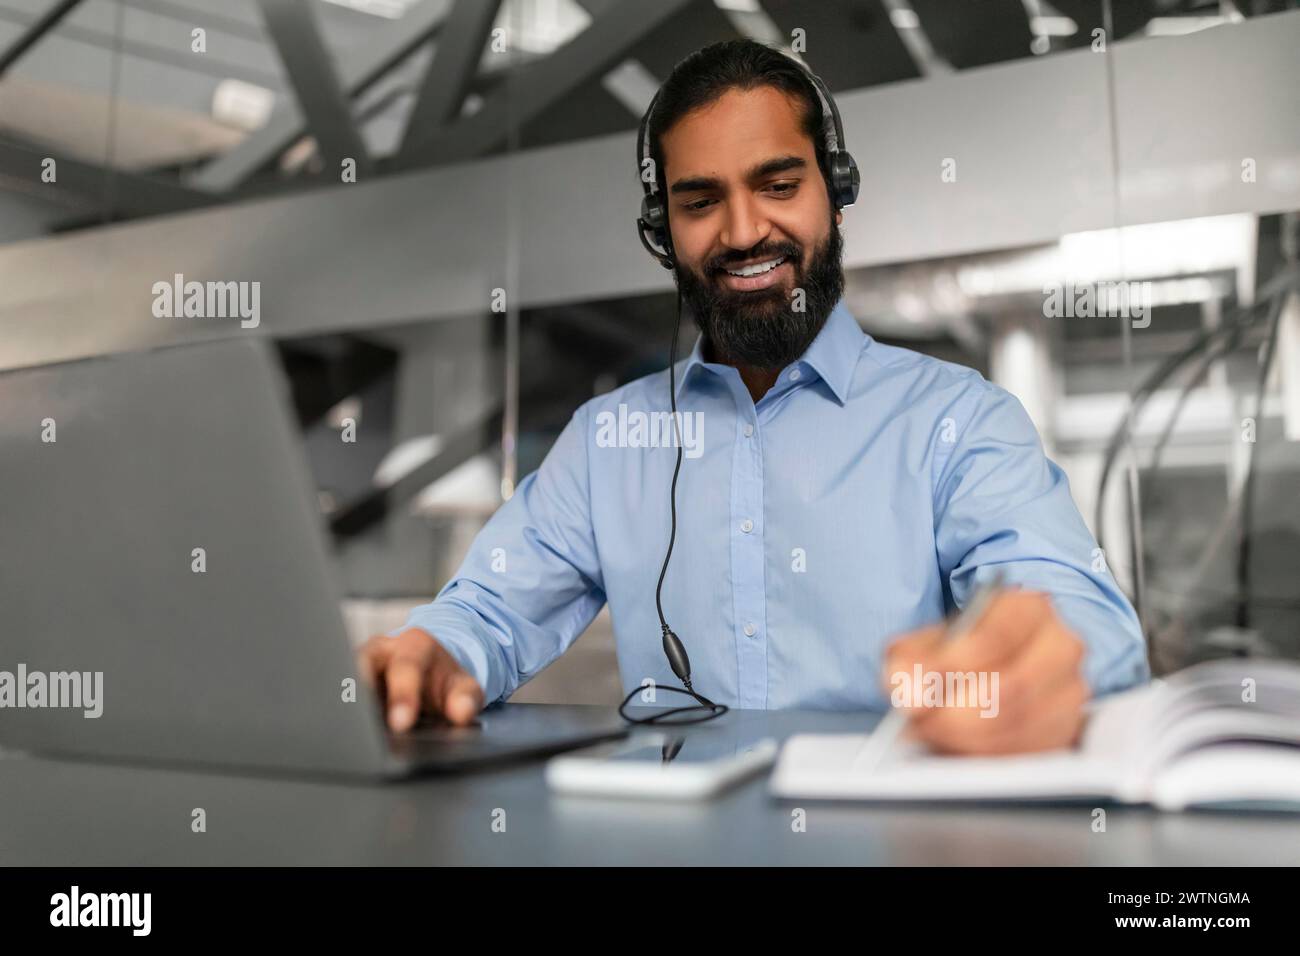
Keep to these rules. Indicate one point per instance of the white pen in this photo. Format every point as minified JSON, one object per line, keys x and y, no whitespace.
{"x":959,"y":625}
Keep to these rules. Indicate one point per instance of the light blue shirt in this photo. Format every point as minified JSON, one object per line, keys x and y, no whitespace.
{"x":868,"y":490}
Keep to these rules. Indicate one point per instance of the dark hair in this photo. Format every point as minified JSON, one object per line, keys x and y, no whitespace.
{"x":705,"y":75}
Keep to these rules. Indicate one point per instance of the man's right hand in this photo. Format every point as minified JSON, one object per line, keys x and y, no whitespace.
{"x":414,"y":673}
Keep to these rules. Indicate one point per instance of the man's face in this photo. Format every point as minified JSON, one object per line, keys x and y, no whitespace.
{"x":744,"y":189}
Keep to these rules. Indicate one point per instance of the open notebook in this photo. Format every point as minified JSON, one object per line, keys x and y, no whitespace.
{"x":1187,"y":740}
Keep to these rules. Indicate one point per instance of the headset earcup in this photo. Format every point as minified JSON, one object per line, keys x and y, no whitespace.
{"x":654,"y":219}
{"x":652,"y":211}
{"x":845,"y":179}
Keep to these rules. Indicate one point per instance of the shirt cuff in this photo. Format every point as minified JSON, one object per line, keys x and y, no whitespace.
{"x":1116,"y":658}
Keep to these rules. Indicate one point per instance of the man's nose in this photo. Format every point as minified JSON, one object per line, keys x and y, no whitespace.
{"x":745,"y":225}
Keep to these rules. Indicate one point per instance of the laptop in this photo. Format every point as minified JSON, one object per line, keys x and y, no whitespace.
{"x":163,"y":561}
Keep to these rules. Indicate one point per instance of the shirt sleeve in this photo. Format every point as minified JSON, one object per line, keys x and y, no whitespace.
{"x":531,"y":582}
{"x":1000,"y":501}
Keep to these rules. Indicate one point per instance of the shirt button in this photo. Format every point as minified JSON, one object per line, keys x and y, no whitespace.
{"x":749,"y":430}
{"x":749,"y":630}
{"x":796,"y":375}
{"x":747,"y":526}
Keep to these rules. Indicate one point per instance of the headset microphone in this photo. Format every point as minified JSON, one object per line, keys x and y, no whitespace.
{"x":842,"y":182}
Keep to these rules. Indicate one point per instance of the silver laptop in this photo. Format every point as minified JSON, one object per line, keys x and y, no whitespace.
{"x":114,"y":472}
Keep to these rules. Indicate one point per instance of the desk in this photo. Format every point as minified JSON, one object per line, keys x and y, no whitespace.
{"x":83,"y":814}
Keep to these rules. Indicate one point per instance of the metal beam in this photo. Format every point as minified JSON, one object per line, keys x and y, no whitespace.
{"x":439,"y":236}
{"x":481,"y":434}
{"x":38,"y":29}
{"x":105,"y":41}
{"x":355,"y":517}
{"x":593,"y":52}
{"x":239,"y":20}
{"x":292,"y":25}
{"x":355,"y":74}
{"x":127,"y":193}
{"x":448,"y":77}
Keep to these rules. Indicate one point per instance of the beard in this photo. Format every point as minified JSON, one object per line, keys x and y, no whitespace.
{"x":762,"y":329}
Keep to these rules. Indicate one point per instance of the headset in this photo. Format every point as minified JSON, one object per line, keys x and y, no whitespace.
{"x":843,"y":184}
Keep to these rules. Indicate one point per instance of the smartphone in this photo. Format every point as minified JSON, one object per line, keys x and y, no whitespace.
{"x":660,"y":765}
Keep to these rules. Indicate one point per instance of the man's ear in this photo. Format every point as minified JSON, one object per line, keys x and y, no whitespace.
{"x":839,"y":216}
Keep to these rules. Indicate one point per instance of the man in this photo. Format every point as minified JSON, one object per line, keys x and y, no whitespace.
{"x":838,"y":496}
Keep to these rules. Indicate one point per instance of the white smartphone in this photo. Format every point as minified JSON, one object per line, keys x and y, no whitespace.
{"x":660,"y":765}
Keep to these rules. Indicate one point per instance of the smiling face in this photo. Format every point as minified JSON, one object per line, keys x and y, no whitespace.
{"x":750,"y":218}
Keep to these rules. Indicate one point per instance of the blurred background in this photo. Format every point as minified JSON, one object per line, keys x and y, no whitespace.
{"x":438,"y":196}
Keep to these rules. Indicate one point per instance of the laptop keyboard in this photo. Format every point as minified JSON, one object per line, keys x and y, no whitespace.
{"x":435,"y":728}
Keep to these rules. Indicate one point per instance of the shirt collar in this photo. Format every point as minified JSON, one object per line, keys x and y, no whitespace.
{"x":833,"y":354}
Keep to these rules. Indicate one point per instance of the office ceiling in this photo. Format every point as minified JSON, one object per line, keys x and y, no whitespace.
{"x":274,"y":91}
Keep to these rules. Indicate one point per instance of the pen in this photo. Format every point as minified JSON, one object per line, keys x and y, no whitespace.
{"x":959,"y":625}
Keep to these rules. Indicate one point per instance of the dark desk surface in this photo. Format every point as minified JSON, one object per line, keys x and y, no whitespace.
{"x":78,"y":814}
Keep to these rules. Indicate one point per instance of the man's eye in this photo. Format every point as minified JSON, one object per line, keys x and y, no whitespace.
{"x":785,"y":187}
{"x":698,"y":204}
